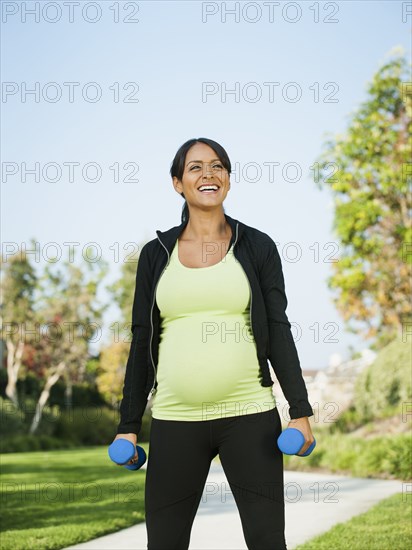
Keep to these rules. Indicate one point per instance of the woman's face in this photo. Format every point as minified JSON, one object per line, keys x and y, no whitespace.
{"x":203,"y":166}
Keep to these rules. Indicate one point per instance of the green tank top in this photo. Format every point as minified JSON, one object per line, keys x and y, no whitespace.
{"x":207,"y":365}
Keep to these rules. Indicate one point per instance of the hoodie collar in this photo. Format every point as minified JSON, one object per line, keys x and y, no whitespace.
{"x":169,"y":237}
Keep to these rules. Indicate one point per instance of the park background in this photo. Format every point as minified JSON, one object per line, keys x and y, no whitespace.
{"x":312,"y":102}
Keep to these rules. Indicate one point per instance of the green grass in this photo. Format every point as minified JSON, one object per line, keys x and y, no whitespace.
{"x":53,"y":499}
{"x":386,"y":525}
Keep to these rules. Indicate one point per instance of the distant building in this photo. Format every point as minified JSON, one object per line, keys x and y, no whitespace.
{"x":331,"y":389}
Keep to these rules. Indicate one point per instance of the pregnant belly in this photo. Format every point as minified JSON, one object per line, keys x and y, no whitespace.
{"x":212,"y":373}
{"x":194,"y":382}
{"x":204,"y":360}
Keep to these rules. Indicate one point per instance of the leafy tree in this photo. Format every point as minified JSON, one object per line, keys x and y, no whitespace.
{"x":17,"y":318}
{"x":68,"y":313}
{"x":371,"y":186}
{"x":122,"y":290}
{"x":113,"y":358}
{"x":111,"y":371}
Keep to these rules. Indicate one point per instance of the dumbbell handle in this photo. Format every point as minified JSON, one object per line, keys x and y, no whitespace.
{"x":121,"y":451}
{"x":291,"y":441}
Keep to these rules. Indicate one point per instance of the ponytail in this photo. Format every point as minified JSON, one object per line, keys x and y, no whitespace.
{"x":185,"y":211}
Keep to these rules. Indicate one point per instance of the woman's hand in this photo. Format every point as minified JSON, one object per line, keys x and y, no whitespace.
{"x":133,"y":439}
{"x":302,"y":424}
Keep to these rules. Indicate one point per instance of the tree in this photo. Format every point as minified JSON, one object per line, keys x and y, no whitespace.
{"x":113,"y":358}
{"x":371,"y":185}
{"x":110,"y":377}
{"x":17,"y":321}
{"x":122,"y":290}
{"x":68,"y":312}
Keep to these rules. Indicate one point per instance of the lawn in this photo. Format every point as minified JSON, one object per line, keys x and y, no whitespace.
{"x":53,"y":499}
{"x":386,"y":525}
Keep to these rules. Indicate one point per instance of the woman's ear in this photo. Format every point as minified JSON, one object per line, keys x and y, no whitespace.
{"x":177,"y":184}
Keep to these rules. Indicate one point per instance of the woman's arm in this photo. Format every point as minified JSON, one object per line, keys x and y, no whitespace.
{"x":135,"y":397}
{"x":283,"y":355}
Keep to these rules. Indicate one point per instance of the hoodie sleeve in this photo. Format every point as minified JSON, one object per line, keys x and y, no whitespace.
{"x":283,"y":354}
{"x":135,"y":397}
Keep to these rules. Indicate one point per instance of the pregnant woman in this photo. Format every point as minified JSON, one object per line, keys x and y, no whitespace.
{"x":208,"y":314}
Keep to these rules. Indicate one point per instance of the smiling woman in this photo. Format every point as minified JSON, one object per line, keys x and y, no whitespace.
{"x":197,"y":285}
{"x":204,"y":161}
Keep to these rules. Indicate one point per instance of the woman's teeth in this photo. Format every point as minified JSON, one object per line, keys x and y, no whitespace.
{"x":208,"y":190}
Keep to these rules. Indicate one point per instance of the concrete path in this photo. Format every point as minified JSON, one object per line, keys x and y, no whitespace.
{"x":314,"y":503}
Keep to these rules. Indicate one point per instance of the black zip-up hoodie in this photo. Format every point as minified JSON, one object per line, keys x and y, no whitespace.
{"x":258,"y":255}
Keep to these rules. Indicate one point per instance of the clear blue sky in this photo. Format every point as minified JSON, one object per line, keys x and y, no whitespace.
{"x":170,"y":50}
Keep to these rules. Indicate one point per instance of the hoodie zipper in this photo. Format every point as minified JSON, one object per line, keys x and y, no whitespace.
{"x":250,"y":287}
{"x":154,"y":390}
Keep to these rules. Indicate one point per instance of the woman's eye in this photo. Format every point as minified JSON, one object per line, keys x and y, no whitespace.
{"x":214,"y":166}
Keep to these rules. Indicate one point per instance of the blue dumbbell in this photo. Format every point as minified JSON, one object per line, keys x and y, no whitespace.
{"x":122,"y":450}
{"x":291,"y":441}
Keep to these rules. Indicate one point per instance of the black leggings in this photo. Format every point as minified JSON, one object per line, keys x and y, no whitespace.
{"x":180,"y":453}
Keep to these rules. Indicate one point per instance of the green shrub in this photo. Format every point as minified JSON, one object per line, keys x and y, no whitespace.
{"x":3,"y":382}
{"x":60,"y":429}
{"x":24,"y":443}
{"x":370,"y":460}
{"x":29,"y":387}
{"x":387,"y":456}
{"x":382,"y":387}
{"x":83,"y":395}
{"x":398,"y":459}
{"x":87,"y":425}
{"x":94,"y":426}
{"x":12,"y":419}
{"x":349,"y":420}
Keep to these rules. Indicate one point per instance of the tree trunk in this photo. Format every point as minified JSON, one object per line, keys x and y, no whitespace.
{"x":68,"y":395}
{"x":14,"y":358}
{"x":44,"y":396}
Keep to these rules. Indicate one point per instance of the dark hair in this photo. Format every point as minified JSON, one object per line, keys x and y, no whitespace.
{"x":178,"y":165}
